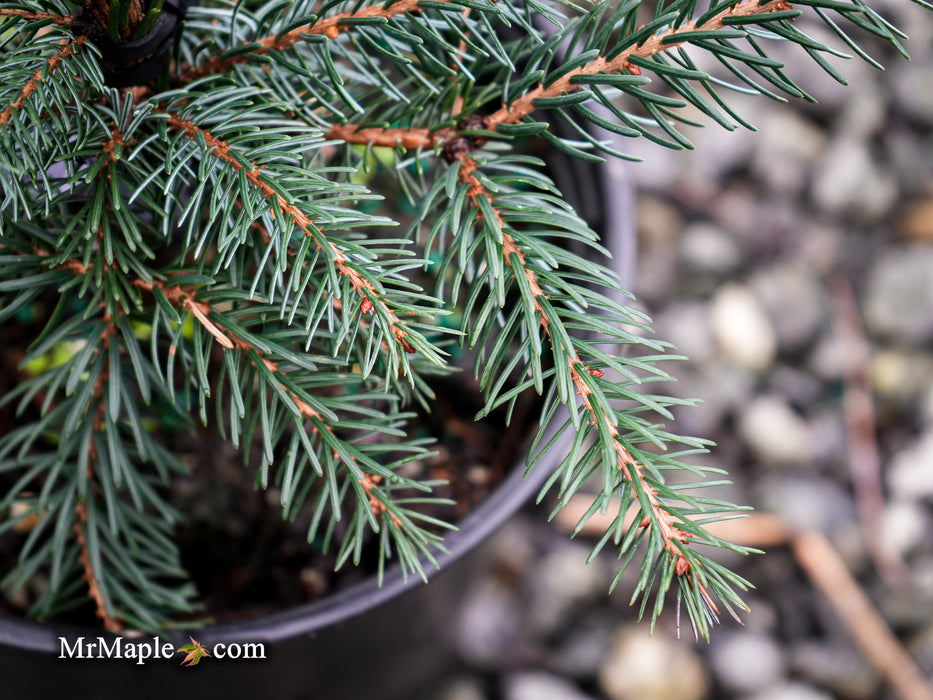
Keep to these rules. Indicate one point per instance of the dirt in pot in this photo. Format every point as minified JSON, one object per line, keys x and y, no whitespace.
{"x":247,"y":561}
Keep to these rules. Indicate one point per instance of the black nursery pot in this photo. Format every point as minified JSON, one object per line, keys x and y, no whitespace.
{"x":367,"y":642}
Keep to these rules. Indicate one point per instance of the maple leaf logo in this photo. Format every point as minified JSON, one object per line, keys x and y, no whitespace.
{"x":194,"y":653}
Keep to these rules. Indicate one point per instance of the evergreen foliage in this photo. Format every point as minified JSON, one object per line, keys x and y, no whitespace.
{"x":210,"y":256}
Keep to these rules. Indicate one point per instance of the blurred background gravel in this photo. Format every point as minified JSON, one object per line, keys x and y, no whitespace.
{"x":751,"y":248}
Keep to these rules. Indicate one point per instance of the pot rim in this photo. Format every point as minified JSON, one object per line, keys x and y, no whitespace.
{"x":332,"y":609}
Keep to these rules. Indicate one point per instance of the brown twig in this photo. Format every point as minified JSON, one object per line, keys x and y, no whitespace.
{"x":111,"y":623}
{"x":327,"y":26}
{"x":410,"y":139}
{"x":100,"y":11}
{"x":61,"y":20}
{"x":110,"y":146}
{"x":754,"y":530}
{"x":183,"y":298}
{"x":370,"y":483}
{"x":828,"y":571}
{"x":859,"y":410}
{"x":461,"y":47}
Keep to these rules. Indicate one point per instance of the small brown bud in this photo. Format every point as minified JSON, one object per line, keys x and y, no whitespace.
{"x":475,"y":122}
{"x":457,"y":148}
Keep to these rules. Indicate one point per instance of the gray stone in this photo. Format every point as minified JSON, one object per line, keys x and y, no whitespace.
{"x":910,"y":158}
{"x":904,"y":526}
{"x":848,"y":181}
{"x":775,"y":433}
{"x":742,"y":329}
{"x":489,"y":630}
{"x":460,"y":688}
{"x":687,"y":324}
{"x":538,"y":685}
{"x":736,"y":209}
{"x":719,"y":151}
{"x":926,"y":406}
{"x":580,"y":651}
{"x":795,"y":385}
{"x":910,"y":475}
{"x":561,"y":582}
{"x":658,"y":169}
{"x":910,"y":608}
{"x":839,"y":669}
{"x":791,"y":691}
{"x":865,"y":113}
{"x":900,"y":295}
{"x":829,"y":357}
{"x":656,"y":277}
{"x":707,"y":248}
{"x":913,"y":90}
{"x":807,"y":503}
{"x":512,"y":548}
{"x":659,"y":227}
{"x":746,"y":662}
{"x":788,"y":145}
{"x":793,"y":299}
{"x":762,"y":617}
{"x":659,"y":223}
{"x":829,"y":436}
{"x":640,"y":667}
{"x":722,"y":387}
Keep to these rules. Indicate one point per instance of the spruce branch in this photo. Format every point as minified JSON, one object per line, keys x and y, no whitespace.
{"x":388,"y":514}
{"x":669,"y":530}
{"x":232,"y":222}
{"x":330,"y":27}
{"x":91,"y":563}
{"x":51,"y":64}
{"x":85,"y":530}
{"x":625,"y":61}
{"x":363,"y":284}
{"x":91,"y":572}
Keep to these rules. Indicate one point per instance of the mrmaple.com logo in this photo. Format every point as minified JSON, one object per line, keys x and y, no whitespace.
{"x":142,"y":651}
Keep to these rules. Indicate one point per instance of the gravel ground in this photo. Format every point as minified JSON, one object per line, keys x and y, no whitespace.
{"x":752,"y":248}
